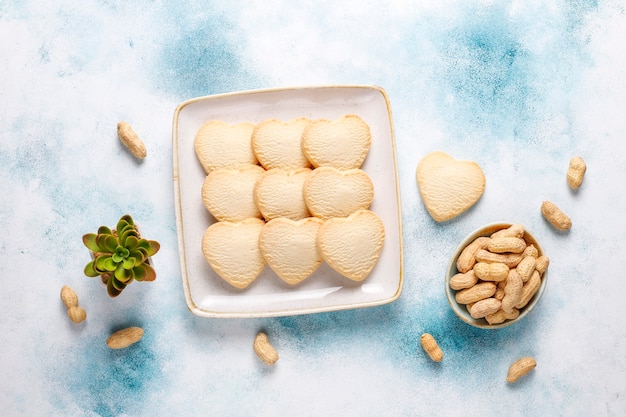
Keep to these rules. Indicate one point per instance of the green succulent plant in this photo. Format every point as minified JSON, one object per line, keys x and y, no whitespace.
{"x":120,"y":256}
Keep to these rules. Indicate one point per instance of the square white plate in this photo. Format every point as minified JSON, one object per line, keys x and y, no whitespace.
{"x":206,"y":293}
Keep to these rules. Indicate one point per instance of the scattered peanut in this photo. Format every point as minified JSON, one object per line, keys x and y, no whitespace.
{"x":576,"y":172}
{"x":123,"y":338}
{"x":264,"y":350}
{"x":69,"y":297}
{"x":70,"y":300}
{"x":131,"y":140}
{"x":467,"y":258}
{"x":555,"y":216}
{"x":505,"y":275}
{"x":76,"y":314}
{"x":520,"y":368}
{"x":430,"y":346}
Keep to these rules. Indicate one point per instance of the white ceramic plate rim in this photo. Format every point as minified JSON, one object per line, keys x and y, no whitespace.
{"x":306,"y":296}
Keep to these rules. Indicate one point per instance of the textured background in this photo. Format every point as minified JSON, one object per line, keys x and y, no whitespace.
{"x":518,"y":87}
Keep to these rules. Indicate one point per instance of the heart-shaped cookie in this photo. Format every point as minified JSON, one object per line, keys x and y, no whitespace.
{"x":342,"y":143}
{"x":278,"y":193}
{"x":448,"y":187}
{"x":289,"y":247}
{"x":352,"y":245}
{"x":329,"y":192}
{"x":228,"y":194}
{"x":276,"y":143}
{"x":232,"y":250}
{"x":221,"y":145}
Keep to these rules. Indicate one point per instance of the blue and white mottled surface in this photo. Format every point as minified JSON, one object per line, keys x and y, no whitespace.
{"x":517,"y":86}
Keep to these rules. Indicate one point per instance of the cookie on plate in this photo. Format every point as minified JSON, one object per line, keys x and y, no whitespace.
{"x":222,"y":145}
{"x":330,"y":192}
{"x":342,"y":143}
{"x":289,"y":247}
{"x":276,"y":143}
{"x":278,"y":193}
{"x":232,"y":250}
{"x":448,"y":187}
{"x":228,"y":194}
{"x":352,"y":245}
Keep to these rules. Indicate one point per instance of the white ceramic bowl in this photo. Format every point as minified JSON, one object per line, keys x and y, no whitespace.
{"x":459,"y":309}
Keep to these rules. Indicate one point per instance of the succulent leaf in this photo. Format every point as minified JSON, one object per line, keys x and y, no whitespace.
{"x":127,"y":233}
{"x":131,"y":243}
{"x":122,"y":223}
{"x":154,"y":247}
{"x":129,"y":262}
{"x":111,"y":290}
{"x":103,"y":230}
{"x":122,"y":274}
{"x":122,"y":227}
{"x":110,"y":242}
{"x":90,"y":271}
{"x":120,"y":254}
{"x":150,"y":272}
{"x":89,"y":240}
{"x":116,"y":283}
{"x":140,"y":255}
{"x":127,"y":280}
{"x":106,"y":243}
{"x":128,"y":219}
{"x":140,"y":272}
{"x":109,"y":264}
{"x":101,"y":262}
{"x":125,"y":222}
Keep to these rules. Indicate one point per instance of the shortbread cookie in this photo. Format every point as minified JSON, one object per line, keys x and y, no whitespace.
{"x":228,"y":194}
{"x":342,"y":143}
{"x":329,"y":192}
{"x":352,"y":245}
{"x":276,"y":144}
{"x":221,"y":145}
{"x":279,"y":193}
{"x":448,"y":187}
{"x":232,"y":250}
{"x":289,"y":248}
